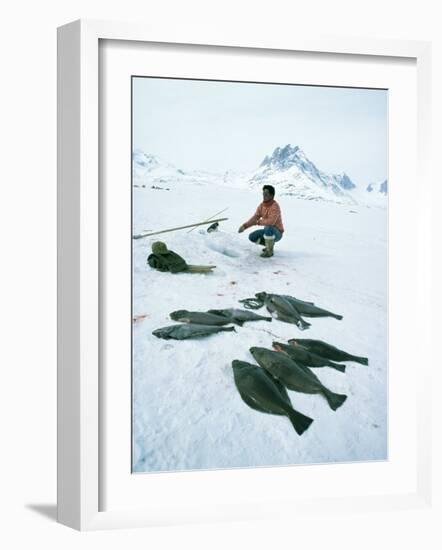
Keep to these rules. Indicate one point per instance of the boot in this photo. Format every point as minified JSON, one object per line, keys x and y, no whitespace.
{"x":270,"y":243}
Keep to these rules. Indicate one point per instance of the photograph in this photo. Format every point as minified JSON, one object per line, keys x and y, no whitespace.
{"x":259,"y":274}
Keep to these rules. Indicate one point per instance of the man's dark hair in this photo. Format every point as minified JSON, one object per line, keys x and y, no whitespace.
{"x":270,"y":189}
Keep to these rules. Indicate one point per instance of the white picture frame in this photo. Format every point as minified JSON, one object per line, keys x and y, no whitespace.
{"x":79,"y":293}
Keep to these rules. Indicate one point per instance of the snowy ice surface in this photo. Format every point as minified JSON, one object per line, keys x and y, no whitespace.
{"x":187,"y":412}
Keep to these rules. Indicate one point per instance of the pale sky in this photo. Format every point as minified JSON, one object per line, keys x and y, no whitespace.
{"x":219,"y":126}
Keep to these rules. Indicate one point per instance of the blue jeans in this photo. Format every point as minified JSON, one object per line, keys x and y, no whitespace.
{"x":268,"y":231}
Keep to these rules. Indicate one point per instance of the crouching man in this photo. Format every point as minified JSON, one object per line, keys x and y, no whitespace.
{"x":268,"y":214}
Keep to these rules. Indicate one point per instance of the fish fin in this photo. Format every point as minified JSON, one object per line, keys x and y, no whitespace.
{"x":362,"y":360}
{"x":281,"y":388}
{"x":218,"y":312}
{"x":299,"y":421}
{"x":300,"y":323}
{"x":340,"y":368}
{"x":338,"y":317}
{"x":335,"y":400}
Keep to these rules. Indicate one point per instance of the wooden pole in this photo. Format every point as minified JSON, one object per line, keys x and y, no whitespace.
{"x":142,"y":235}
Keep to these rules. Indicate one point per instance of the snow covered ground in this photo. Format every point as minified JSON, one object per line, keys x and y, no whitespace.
{"x":187,"y":412}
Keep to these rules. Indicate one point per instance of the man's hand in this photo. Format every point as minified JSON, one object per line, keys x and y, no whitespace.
{"x":241,"y":229}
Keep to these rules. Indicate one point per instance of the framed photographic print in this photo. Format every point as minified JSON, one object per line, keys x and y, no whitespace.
{"x":241,"y":260}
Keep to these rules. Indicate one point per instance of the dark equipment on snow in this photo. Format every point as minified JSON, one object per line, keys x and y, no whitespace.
{"x":164,"y":259}
{"x":213,"y":227}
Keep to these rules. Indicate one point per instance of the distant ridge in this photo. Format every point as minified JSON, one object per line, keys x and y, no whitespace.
{"x":293,"y":173}
{"x":287,"y":168}
{"x":378,"y":187}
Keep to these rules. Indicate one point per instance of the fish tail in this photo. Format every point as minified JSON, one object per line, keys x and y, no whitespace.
{"x":303,"y":325}
{"x":335,"y":400}
{"x":299,"y":421}
{"x":362,"y":360}
{"x":338,"y":317}
{"x":337,"y":366}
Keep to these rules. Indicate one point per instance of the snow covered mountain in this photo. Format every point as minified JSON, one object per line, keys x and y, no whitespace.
{"x":150,"y":166}
{"x":288,"y":169}
{"x":153,"y":171}
{"x":381,"y":188}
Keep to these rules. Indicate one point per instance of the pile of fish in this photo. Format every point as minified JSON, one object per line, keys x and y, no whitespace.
{"x":263,"y":387}
{"x":196,"y":324}
{"x":287,"y":308}
{"x":203,"y":323}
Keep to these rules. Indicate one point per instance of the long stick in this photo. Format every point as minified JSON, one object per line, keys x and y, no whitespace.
{"x":210,"y":219}
{"x":142,"y":235}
